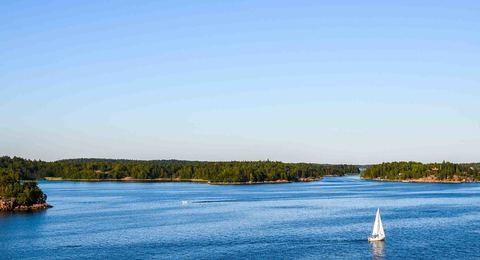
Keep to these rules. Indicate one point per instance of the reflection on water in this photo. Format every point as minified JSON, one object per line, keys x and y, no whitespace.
{"x":378,"y":249}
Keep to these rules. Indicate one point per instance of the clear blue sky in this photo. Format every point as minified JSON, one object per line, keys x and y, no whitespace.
{"x":314,"y":81}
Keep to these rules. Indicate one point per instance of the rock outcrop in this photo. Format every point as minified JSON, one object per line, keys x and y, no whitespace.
{"x":10,"y":205}
{"x":7,"y":204}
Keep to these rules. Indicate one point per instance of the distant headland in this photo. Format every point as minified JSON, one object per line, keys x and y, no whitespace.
{"x":444,"y":172}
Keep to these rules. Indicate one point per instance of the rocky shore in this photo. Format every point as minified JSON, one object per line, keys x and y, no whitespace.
{"x":10,"y":205}
{"x":429,"y":179}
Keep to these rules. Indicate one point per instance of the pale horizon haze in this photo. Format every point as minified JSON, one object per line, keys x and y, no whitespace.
{"x":355,"y":82}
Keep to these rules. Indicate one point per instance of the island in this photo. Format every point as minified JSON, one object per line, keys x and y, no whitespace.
{"x":445,"y":172}
{"x":232,"y":172}
{"x":17,"y":195}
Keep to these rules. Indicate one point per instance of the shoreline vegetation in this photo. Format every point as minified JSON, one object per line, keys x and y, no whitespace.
{"x":19,"y":191}
{"x":233,"y":172}
{"x":424,"y":180}
{"x":415,"y":172}
{"x":129,"y":179}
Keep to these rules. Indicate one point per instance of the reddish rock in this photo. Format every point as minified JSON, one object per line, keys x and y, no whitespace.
{"x":9,"y":204}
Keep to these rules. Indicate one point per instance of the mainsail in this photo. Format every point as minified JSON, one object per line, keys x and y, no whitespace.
{"x":378,"y":226}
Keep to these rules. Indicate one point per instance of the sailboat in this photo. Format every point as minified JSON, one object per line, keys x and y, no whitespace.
{"x":378,"y":234}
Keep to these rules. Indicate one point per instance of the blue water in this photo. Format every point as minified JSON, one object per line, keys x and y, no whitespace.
{"x":327,"y":219}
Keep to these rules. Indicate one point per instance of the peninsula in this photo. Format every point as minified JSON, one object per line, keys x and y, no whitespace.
{"x":444,"y":172}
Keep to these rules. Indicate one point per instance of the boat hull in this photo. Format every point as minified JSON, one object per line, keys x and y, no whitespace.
{"x":373,"y":239}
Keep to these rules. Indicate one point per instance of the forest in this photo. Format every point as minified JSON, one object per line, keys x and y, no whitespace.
{"x":226,"y":172}
{"x":445,"y":171}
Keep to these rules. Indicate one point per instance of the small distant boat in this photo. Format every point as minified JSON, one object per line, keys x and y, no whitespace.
{"x":184,"y":202}
{"x":378,"y":234}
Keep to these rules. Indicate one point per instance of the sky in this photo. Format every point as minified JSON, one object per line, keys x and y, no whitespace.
{"x":296,"y":81}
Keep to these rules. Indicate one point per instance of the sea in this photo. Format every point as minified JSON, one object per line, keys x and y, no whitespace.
{"x":327,"y":219}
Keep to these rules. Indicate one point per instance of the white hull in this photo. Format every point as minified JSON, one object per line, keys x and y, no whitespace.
{"x":373,"y":239}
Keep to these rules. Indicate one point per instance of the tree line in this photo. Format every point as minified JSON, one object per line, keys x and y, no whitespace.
{"x":416,"y":170}
{"x":234,"y":171}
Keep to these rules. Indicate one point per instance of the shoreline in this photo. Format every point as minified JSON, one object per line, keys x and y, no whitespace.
{"x":9,"y":205}
{"x":160,"y":180}
{"x":126,"y":180}
{"x":32,"y":208}
{"x":421,"y":181}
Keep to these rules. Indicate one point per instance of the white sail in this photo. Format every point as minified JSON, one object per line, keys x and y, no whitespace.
{"x":378,"y":226}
